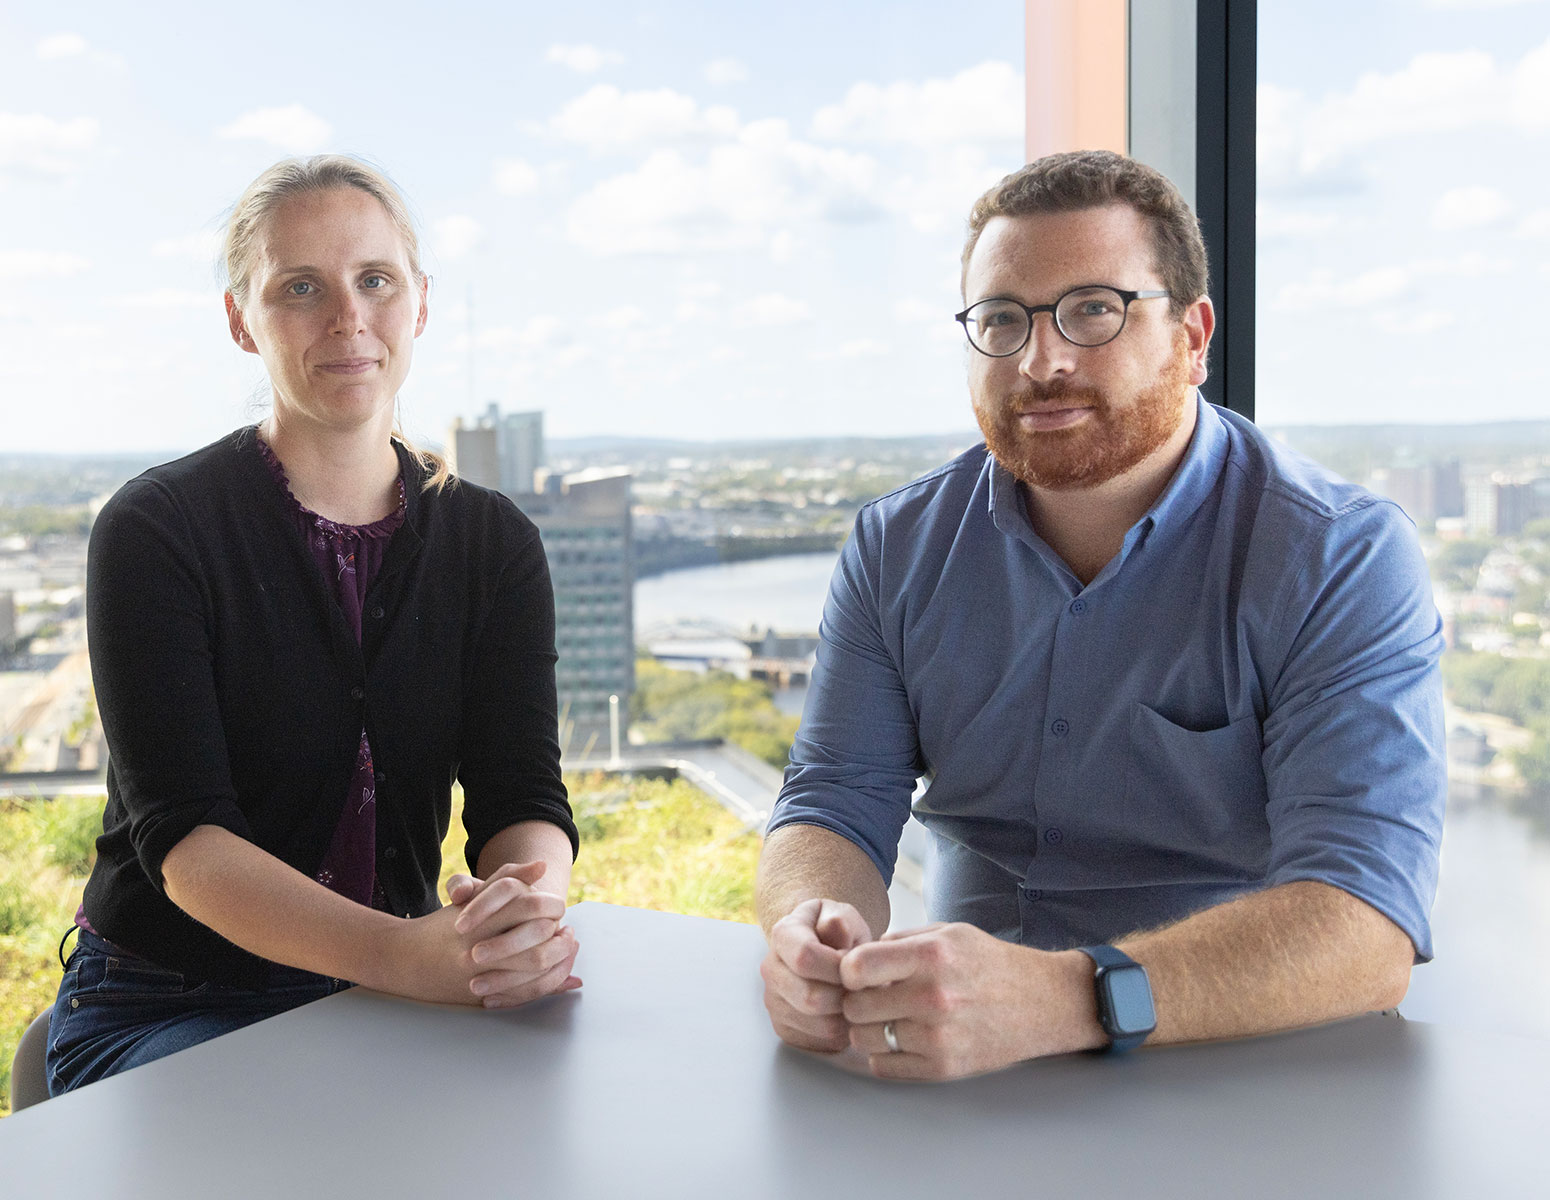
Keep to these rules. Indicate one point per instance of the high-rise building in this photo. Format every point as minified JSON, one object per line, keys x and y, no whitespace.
{"x":7,"y":622}
{"x":1500,"y":505}
{"x":1425,"y":492}
{"x":521,"y":441}
{"x":584,"y":520}
{"x":475,"y":453}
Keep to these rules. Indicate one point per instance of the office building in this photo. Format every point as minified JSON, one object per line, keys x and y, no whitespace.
{"x":7,"y":622}
{"x":584,"y":520}
{"x":520,"y":443}
{"x":1426,"y":492}
{"x":474,"y":451}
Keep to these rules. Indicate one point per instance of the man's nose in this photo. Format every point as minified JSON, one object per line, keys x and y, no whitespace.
{"x":1047,"y":353}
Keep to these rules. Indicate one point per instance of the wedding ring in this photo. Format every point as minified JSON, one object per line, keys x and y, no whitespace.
{"x":890,"y":1037}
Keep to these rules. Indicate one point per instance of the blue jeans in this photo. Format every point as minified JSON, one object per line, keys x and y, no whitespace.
{"x":116,"y":1010}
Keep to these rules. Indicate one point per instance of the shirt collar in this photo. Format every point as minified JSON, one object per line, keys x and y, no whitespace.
{"x":1190,"y":486}
{"x":1194,"y":481}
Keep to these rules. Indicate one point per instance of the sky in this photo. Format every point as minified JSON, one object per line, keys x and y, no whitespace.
{"x":727,"y":221}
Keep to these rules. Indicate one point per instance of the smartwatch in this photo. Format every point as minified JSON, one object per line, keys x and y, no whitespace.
{"x":1124,"y":997}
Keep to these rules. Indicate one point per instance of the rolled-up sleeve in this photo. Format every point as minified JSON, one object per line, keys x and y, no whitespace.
{"x":857,"y":753}
{"x":510,"y":757}
{"x":148,"y":623}
{"x":1354,"y":749}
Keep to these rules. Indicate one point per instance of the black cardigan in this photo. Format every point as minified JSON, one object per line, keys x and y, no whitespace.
{"x":233,"y":693}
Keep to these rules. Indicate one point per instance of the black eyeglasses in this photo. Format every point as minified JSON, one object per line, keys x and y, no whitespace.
{"x":1091,"y":315}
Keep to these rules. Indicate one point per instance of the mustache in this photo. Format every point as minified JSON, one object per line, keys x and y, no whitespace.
{"x":1034,"y":394}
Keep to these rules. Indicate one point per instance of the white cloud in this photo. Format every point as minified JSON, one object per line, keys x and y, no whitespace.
{"x":171,"y":298}
{"x":623,"y":317}
{"x":981,"y":104}
{"x":295,"y":128}
{"x":456,"y":235}
{"x":1477,"y":4}
{"x":1536,"y":224}
{"x":534,"y":334}
{"x":770,"y":309}
{"x":738,"y":197}
{"x":31,"y":142}
{"x":605,"y":118}
{"x":723,"y":71}
{"x":935,"y":320}
{"x":916,"y":311}
{"x":1271,"y":222}
{"x":1471,"y":264}
{"x":1469,"y":208}
{"x":61,"y":45}
{"x":514,"y":177}
{"x":202,"y":246}
{"x":782,"y":246}
{"x":1324,"y":291}
{"x":40,"y":264}
{"x":858,"y":348}
{"x":583,"y":59}
{"x":938,"y":194}
{"x":1400,"y":320}
{"x":1435,"y":92}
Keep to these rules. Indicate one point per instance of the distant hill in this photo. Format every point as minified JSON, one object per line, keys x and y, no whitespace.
{"x":1522,"y":437}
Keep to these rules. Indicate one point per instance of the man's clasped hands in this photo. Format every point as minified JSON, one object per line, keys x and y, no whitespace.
{"x":953,"y":999}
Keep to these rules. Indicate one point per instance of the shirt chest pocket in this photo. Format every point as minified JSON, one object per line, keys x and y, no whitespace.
{"x":1199,"y":793}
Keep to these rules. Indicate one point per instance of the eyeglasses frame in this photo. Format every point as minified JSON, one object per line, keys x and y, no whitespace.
{"x":1033,"y":310}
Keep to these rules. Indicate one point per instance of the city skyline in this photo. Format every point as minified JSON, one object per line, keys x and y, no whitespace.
{"x":688,"y":222}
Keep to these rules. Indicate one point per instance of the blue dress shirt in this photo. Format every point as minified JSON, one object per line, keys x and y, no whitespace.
{"x":1246,"y":695}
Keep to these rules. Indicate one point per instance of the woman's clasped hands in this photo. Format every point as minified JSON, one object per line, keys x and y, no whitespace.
{"x":499,"y":943}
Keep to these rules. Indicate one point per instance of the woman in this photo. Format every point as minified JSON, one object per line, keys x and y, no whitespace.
{"x":299,"y":636}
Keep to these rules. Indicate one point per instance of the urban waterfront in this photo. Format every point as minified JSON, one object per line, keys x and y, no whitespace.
{"x":1491,"y":923}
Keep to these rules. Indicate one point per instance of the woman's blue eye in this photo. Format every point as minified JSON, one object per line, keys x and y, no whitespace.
{"x":296,"y":289}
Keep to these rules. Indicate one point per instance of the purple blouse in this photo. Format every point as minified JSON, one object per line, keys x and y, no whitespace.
{"x":349,"y":557}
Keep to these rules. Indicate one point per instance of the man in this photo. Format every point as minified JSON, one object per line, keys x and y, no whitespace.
{"x":1174,"y":689}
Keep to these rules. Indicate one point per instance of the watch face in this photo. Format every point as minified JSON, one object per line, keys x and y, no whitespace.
{"x":1130,"y":1001}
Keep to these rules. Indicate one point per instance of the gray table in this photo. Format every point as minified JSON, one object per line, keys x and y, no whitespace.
{"x":661,"y":1078}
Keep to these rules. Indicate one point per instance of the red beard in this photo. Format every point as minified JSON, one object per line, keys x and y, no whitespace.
{"x":1100,"y":448}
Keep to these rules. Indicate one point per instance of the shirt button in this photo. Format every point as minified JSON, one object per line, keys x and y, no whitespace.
{"x":357,"y":693}
{"x":1053,"y":836}
{"x":390,"y":852}
{"x":378,"y":612}
{"x":1079,"y":606}
{"x":1035,"y":893}
{"x":1060,"y":728}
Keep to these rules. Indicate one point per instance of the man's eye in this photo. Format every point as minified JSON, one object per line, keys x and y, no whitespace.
{"x":300,"y":288}
{"x":1094,"y":308}
{"x":374,"y":281}
{"x":1002,"y":317}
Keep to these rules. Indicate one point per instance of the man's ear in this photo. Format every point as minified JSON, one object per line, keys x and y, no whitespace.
{"x":1199,"y":323}
{"x":238,"y":327}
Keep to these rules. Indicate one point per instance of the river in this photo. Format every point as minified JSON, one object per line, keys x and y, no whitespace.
{"x":1491,"y":922}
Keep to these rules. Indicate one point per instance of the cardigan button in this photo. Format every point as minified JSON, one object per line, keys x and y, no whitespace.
{"x":379,"y":612}
{"x":390,"y":852}
{"x":357,"y":693}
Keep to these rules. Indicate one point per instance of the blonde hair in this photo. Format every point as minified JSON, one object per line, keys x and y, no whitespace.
{"x":292,"y":177}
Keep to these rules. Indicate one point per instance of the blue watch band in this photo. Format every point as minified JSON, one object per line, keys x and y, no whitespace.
{"x":1124,"y":997}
